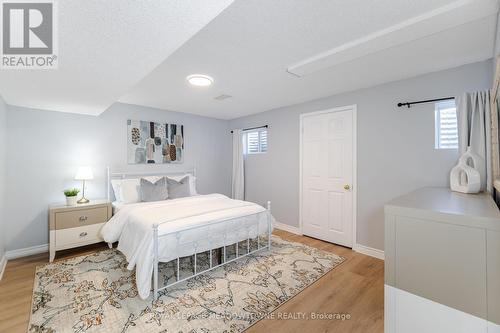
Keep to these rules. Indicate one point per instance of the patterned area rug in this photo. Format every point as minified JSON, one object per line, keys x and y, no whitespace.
{"x":96,"y":293}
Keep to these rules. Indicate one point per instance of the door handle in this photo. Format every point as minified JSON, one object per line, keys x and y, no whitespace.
{"x":347,"y":187}
{"x":83,"y":218}
{"x":83,"y":234}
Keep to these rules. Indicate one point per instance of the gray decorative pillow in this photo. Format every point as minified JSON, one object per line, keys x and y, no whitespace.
{"x":154,"y":191}
{"x":178,"y":189}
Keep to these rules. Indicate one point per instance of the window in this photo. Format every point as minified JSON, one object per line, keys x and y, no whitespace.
{"x":446,"y":125}
{"x":255,"y":141}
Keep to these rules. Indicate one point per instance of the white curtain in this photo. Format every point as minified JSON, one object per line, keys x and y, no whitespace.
{"x":474,"y":131}
{"x":238,"y":180}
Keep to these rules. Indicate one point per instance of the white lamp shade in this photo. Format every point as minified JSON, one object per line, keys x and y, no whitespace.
{"x":84,"y":173}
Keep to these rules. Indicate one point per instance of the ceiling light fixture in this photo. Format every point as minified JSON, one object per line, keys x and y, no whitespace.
{"x":200,"y":80}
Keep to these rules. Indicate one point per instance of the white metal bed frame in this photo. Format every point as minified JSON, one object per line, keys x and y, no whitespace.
{"x":156,"y":236}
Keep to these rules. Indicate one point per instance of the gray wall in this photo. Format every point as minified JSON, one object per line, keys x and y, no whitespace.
{"x":45,"y":148}
{"x":3,"y":173}
{"x":395,"y":146}
{"x":395,"y":152}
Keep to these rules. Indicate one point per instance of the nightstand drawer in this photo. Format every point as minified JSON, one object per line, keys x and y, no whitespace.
{"x":82,"y":217}
{"x":78,"y":236}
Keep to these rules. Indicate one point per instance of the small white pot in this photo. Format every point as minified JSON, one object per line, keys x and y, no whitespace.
{"x":71,"y":201}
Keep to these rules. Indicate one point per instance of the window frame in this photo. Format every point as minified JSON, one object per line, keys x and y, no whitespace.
{"x":438,"y":108}
{"x":259,"y":140}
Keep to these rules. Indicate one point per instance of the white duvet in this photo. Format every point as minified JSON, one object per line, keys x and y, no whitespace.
{"x":132,"y":227}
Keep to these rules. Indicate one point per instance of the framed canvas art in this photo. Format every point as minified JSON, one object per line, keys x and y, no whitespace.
{"x":154,"y":143}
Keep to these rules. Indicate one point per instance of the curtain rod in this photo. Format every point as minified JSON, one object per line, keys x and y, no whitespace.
{"x":409,"y":104}
{"x":252,"y":128}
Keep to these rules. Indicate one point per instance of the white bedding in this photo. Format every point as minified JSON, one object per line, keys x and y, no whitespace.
{"x":133,"y":224}
{"x":117,"y":205}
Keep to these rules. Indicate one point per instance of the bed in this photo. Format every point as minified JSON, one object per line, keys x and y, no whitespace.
{"x":150,"y":233}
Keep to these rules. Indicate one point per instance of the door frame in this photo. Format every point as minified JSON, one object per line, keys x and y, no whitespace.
{"x":354,"y":187}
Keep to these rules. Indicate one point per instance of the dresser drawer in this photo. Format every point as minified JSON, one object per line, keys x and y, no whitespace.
{"x":78,"y":236}
{"x":83,"y":217}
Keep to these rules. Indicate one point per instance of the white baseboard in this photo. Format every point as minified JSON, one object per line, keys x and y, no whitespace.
{"x":27,"y":251}
{"x":3,"y":263}
{"x":369,"y":251}
{"x":286,"y":227}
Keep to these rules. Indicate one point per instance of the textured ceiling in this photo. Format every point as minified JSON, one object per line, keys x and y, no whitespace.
{"x":140,"y":52}
{"x":249,"y":47}
{"x":105,"y":48}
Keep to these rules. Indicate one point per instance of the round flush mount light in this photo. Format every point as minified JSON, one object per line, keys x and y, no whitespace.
{"x":200,"y":80}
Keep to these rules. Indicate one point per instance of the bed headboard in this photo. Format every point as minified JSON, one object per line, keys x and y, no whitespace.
{"x":126,"y":175}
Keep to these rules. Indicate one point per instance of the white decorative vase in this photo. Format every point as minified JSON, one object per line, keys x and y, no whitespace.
{"x":464,"y":177}
{"x":71,"y":201}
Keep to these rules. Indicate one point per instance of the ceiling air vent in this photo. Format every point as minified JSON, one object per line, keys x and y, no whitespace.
{"x":222,"y":97}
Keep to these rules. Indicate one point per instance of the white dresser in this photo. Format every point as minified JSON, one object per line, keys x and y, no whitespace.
{"x":442,"y":263}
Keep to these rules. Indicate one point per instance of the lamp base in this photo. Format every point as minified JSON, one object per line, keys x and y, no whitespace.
{"x":83,"y":200}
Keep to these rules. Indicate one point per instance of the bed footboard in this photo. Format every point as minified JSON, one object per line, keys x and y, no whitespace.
{"x":156,"y":240}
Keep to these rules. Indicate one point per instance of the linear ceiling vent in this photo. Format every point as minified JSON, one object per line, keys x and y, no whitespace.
{"x":440,"y":19}
{"x":222,"y":97}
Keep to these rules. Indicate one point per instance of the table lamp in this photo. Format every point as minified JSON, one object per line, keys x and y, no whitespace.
{"x":83,"y":174}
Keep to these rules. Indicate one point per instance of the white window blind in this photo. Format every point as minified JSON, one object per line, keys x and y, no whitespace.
{"x":446,"y":125}
{"x":256,"y":141}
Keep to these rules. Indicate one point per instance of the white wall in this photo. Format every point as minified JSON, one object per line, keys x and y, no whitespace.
{"x":496,"y":49}
{"x":497,"y":36}
{"x":3,"y":173}
{"x":395,"y":146}
{"x":45,"y":148}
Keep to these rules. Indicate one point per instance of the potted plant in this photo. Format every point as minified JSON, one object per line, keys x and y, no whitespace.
{"x":71,"y":194}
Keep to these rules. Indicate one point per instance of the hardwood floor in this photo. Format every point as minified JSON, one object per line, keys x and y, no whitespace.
{"x":355,"y":288}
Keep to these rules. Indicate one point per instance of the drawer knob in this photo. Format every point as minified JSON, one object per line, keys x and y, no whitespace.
{"x":83,"y":234}
{"x":83,"y":218}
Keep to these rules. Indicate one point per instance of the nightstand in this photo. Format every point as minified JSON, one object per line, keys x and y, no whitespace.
{"x":73,"y":226}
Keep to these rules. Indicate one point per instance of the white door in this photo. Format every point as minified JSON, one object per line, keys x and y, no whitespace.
{"x":327,"y":175}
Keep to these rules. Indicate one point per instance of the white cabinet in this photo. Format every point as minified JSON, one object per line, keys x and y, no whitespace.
{"x":442,"y":262}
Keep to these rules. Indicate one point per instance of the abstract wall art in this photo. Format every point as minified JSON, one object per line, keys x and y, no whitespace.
{"x":154,"y":143}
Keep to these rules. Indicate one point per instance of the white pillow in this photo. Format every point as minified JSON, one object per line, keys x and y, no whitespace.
{"x":192,"y":182}
{"x":128,"y":190}
{"x":116,"y":184}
